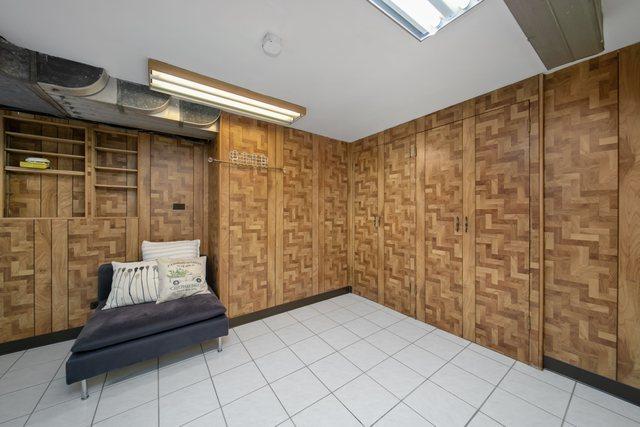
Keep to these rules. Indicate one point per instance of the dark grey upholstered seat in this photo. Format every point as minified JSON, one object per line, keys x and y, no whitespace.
{"x":123,"y":336}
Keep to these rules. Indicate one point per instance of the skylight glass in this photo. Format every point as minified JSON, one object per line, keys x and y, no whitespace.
{"x":423,"y":18}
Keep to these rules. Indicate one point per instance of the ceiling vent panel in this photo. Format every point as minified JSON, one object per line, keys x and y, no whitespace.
{"x":560,"y":31}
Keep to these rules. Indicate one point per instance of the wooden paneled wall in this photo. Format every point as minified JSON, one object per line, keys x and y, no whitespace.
{"x":628,"y":350}
{"x":280,"y":234}
{"x":572,"y":135}
{"x":48,"y":264}
{"x":446,"y":217}
{"x":581,"y":214}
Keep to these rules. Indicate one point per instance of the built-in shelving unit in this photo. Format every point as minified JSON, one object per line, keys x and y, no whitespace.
{"x":115,"y":166}
{"x":55,"y":192}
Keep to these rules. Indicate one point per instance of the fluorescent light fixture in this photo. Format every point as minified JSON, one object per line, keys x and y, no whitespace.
{"x":423,"y":18}
{"x":205,"y":90}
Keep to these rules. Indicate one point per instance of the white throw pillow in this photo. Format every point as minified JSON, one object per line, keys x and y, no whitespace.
{"x":181,"y":278}
{"x":183,"y":249}
{"x":133,"y":283}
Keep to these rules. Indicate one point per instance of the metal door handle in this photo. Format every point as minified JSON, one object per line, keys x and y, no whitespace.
{"x":466,"y":224}
{"x":457,"y":224}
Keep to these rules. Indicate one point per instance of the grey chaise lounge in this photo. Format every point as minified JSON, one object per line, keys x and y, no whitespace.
{"x":123,"y":336}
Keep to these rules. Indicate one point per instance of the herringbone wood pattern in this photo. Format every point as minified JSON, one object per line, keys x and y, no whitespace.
{"x":365,"y":201}
{"x":248,"y":222}
{"x":581,"y":214}
{"x":91,"y":242}
{"x":443,"y":210}
{"x":335,"y":187}
{"x":399,"y":224}
{"x":17,"y":303}
{"x":298,"y":222}
{"x":502,"y":230}
{"x":171,"y":182}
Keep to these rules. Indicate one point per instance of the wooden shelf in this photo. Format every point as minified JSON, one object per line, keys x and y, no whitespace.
{"x":115,"y":150}
{"x":44,"y":153}
{"x":43,"y":171}
{"x":117,"y":187}
{"x":111,"y":169}
{"x":45,"y":138}
{"x":42,"y":122}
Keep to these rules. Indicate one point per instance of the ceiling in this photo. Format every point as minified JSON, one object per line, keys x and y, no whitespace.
{"x":355,"y":70}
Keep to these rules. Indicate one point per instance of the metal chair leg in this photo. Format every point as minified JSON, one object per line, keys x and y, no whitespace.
{"x":84,"y":394}
{"x":219,"y":344}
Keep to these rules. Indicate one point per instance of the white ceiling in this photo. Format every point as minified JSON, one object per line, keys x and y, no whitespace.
{"x":354,"y":69}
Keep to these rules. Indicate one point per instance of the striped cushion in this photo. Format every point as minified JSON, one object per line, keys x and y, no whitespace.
{"x":180,"y":249}
{"x":133,"y":283}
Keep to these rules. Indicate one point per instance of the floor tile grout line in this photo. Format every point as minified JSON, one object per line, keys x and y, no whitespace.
{"x":525,"y":400}
{"x":45,"y":390}
{"x":95,"y":410}
{"x":544,"y":382}
{"x":122,"y":412}
{"x":215,"y":390}
{"x":40,"y":383}
{"x":268,"y":383}
{"x":479,"y":409}
{"x":12,"y":364}
{"x":547,"y":382}
{"x":566,"y":410}
{"x":605,"y":408}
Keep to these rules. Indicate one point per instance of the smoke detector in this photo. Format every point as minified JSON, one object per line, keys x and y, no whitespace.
{"x":272,"y":44}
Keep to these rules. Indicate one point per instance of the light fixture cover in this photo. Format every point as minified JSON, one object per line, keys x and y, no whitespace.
{"x":205,"y":90}
{"x":423,"y":18}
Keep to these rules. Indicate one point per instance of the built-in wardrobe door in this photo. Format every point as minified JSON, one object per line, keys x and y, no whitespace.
{"x":443,"y":227}
{"x":366,"y":217}
{"x":502,"y":230}
{"x":399,"y":219}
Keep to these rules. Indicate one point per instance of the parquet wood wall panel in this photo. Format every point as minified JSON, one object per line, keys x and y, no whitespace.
{"x":59,"y":275}
{"x":443,"y":117}
{"x":91,"y":242}
{"x":42,"y":276}
{"x":629,"y":248}
{"x":365,"y":212}
{"x":334,"y":203}
{"x":469,"y":224}
{"x":399,"y":221}
{"x":521,"y":91}
{"x":536,"y":251}
{"x":298,"y":222}
{"x":249,"y":288}
{"x":581,"y":214}
{"x":172,"y":181}
{"x":443,"y":229}
{"x":502,"y":230}
{"x":17,"y":307}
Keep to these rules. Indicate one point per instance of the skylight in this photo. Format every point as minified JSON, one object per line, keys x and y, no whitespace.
{"x":423,"y":18}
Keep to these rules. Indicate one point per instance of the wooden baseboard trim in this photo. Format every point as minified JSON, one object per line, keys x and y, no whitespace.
{"x":39,"y":341}
{"x":623,"y":391}
{"x":271,"y":311}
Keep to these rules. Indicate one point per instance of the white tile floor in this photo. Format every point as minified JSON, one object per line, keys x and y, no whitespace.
{"x":341,"y":362}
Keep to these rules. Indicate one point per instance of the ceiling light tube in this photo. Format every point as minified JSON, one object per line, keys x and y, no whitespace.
{"x":205,"y":90}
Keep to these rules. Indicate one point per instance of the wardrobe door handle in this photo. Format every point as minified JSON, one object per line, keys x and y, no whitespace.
{"x":457,"y":224}
{"x":466,"y":224}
